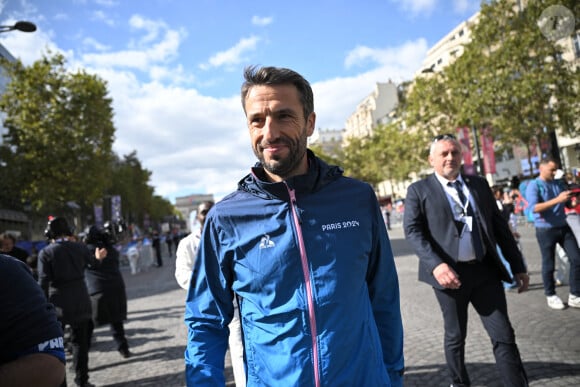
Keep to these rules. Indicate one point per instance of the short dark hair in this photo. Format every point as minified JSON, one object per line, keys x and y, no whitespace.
{"x":548,"y":159}
{"x":257,"y":76}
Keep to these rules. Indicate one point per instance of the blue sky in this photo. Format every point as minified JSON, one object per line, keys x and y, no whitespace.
{"x":174,"y":67}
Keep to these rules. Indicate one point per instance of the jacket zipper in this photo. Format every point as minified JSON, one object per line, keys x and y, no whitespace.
{"x":308,"y":283}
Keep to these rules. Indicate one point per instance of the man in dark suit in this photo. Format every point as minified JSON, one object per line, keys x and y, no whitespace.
{"x":454,"y":226}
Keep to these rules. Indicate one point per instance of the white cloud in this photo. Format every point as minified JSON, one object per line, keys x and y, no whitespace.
{"x":176,"y":132}
{"x":107,"y":3}
{"x":397,"y":64}
{"x":409,"y":52}
{"x":262,"y":21}
{"x":161,"y":52}
{"x":417,"y":6}
{"x":102,"y":16}
{"x":92,"y":43}
{"x":426,"y":7}
{"x":234,"y":55}
{"x":175,"y":75}
{"x":466,"y":6}
{"x":152,"y":27}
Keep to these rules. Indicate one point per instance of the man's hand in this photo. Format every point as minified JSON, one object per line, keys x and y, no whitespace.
{"x":523,"y":281}
{"x":100,"y":253}
{"x":446,"y":276}
{"x":563,"y":197}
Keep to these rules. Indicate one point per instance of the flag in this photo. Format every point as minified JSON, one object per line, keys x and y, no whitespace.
{"x":488,"y":151}
{"x":463,"y":137}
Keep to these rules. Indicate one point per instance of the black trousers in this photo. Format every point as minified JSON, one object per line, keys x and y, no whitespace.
{"x":118,"y":331}
{"x":481,"y":287}
{"x":158,"y":256}
{"x":79,"y":340}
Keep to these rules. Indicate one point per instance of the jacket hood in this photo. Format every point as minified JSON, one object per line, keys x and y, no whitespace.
{"x":319,"y":175}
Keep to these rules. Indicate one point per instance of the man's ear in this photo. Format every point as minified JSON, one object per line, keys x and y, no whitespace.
{"x":310,"y":124}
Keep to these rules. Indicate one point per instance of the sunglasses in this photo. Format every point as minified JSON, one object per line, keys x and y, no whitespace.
{"x":446,"y":136}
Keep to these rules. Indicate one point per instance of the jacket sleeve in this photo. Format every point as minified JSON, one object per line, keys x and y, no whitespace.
{"x":44,"y":272}
{"x":417,"y":230}
{"x":208,"y":311}
{"x":184,"y":259}
{"x":383,"y":287}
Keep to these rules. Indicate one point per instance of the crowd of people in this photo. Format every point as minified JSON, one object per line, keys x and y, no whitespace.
{"x":294,"y":271}
{"x":84,"y":288}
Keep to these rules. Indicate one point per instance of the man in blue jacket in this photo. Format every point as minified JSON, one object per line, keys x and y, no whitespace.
{"x":305,"y":252}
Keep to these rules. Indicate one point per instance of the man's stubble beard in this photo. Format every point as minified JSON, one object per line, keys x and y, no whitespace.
{"x":284,"y":167}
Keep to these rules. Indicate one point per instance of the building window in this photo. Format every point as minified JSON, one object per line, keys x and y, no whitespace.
{"x":576,"y":42}
{"x":461,"y":33}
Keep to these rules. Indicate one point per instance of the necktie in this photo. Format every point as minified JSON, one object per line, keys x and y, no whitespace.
{"x":475,"y":232}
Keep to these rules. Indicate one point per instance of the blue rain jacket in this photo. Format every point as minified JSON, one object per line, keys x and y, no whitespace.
{"x":311,"y":265}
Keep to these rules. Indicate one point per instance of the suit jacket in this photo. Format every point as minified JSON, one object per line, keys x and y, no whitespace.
{"x":430,"y":228}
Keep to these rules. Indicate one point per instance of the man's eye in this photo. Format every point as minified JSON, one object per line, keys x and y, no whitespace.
{"x":284,"y":116}
{"x":256,"y":120}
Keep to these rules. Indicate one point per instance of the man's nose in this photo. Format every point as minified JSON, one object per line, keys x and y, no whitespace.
{"x":270,"y":130}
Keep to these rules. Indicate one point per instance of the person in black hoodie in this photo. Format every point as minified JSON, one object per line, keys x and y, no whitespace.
{"x":107,"y":289}
{"x":61,"y":275}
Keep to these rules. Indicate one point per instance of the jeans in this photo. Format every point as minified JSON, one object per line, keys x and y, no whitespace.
{"x":573,"y":220}
{"x":547,"y":239}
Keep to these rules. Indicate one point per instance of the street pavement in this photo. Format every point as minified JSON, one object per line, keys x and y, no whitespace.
{"x":549,"y":340}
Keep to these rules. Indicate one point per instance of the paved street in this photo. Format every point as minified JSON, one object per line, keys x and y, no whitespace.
{"x":549,"y":340}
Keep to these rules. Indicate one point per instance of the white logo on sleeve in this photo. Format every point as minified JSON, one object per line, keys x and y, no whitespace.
{"x":56,"y":343}
{"x":266,"y":242}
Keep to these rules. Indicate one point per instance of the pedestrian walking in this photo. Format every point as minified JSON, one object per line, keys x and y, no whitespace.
{"x":454,"y":225}
{"x":548,"y":197}
{"x":107,"y":289}
{"x":306,"y":253}
{"x":61,"y":275}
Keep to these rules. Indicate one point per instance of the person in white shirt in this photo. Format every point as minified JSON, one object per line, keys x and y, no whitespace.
{"x":187,"y":247}
{"x":184,"y":262}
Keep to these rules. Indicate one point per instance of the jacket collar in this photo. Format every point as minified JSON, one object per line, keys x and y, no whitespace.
{"x":319,"y":174}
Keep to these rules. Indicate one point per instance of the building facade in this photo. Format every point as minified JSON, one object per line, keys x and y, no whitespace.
{"x":373,"y":110}
{"x":329,"y":140}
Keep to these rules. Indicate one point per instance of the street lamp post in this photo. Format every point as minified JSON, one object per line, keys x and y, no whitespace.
{"x":24,"y":26}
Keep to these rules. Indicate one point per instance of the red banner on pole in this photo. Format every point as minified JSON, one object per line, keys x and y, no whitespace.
{"x":463,"y":137}
{"x":488,"y":151}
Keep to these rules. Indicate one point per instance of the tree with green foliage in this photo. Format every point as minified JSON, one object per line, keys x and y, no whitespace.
{"x":519,"y":81}
{"x":510,"y":76}
{"x":399,"y":152}
{"x":331,"y":159}
{"x":131,"y":181}
{"x":360,"y":162}
{"x":58,"y":145}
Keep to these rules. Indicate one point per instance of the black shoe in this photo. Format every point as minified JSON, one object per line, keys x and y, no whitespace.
{"x":125,"y":353}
